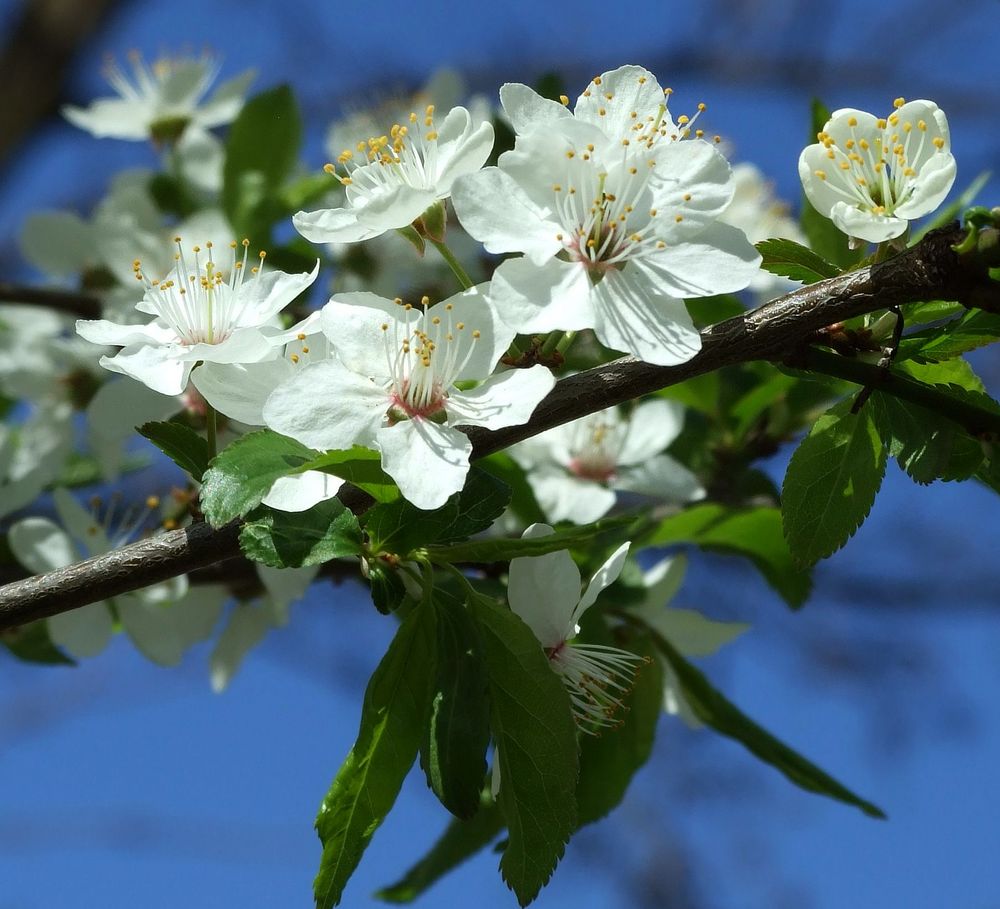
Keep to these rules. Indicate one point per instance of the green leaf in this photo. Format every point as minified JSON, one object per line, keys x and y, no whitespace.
{"x":181,"y":444}
{"x":261,"y":151}
{"x":393,"y":715}
{"x":609,"y":761}
{"x":244,"y":472}
{"x":975,"y":329}
{"x":388,"y":589}
{"x":755,"y":533}
{"x":400,"y":527}
{"x":460,"y":841}
{"x":831,"y":483}
{"x":927,"y":445}
{"x":535,"y":738}
{"x":294,"y":539}
{"x":454,"y":752}
{"x":931,"y":311}
{"x":503,"y":550}
{"x":358,"y":466}
{"x":32,"y":644}
{"x":713,"y":709}
{"x":523,"y":503}
{"x":792,"y":260}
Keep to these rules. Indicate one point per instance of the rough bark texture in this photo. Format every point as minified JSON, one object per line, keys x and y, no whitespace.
{"x":929,"y":271}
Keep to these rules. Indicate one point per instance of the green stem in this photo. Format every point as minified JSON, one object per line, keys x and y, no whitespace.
{"x":552,"y":343}
{"x":566,"y":342}
{"x":975,"y":420}
{"x":453,"y":263}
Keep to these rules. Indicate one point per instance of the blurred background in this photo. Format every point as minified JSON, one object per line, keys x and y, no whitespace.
{"x":124,"y":784}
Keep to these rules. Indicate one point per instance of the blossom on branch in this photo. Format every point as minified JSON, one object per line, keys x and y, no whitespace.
{"x":161,"y":101}
{"x":615,"y":207}
{"x":400,"y":384}
{"x":873,"y":176}
{"x":391,"y":180}
{"x":200,"y":316}
{"x":575,"y":469}
{"x":544,"y":591}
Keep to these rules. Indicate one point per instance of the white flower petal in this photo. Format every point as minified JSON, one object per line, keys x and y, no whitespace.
{"x":652,"y":426}
{"x":526,"y":109}
{"x":506,"y":399}
{"x":466,"y":157}
{"x":533,"y":298}
{"x":90,"y":537}
{"x":82,"y":632}
{"x":151,"y":627}
{"x":111,"y":118}
{"x":565,"y":497}
{"x":327,"y":406}
{"x":41,"y":546}
{"x":663,"y":478}
{"x":333,"y":225}
{"x":610,"y":104}
{"x":635,"y":316}
{"x":239,"y":390}
{"x":428,"y":461}
{"x":246,"y":628}
{"x":156,"y":367}
{"x":604,"y":577}
{"x":396,"y":207}
{"x":493,"y":208}
{"x":301,"y":491}
{"x":113,"y":414}
{"x":284,"y":586}
{"x":544,"y":591}
{"x":691,"y":633}
{"x":226,"y":101}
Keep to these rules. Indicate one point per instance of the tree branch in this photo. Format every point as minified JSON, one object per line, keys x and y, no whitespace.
{"x":73,"y":302}
{"x":929,"y":271}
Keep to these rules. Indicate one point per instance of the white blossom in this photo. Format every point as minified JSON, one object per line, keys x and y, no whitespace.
{"x":545,"y":592}
{"x":393,"y":386}
{"x":157,"y":620}
{"x":392,"y":180}
{"x":161,"y":100}
{"x":200,"y":316}
{"x":615,"y":207}
{"x":691,"y":633}
{"x":575,"y":469}
{"x":872,"y":176}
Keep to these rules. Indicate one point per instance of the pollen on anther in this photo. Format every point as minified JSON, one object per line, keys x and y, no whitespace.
{"x":564,"y":101}
{"x":294,"y":358}
{"x":678,"y":218}
{"x":898,"y":103}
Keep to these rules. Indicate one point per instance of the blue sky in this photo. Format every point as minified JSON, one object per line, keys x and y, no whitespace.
{"x":121,"y":783}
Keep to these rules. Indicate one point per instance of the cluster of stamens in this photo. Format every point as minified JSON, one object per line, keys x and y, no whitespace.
{"x":145,"y":78}
{"x":424,"y":357}
{"x":878,"y":174}
{"x":119,"y":528}
{"x":598,"y":680}
{"x":201,"y":306}
{"x":604,"y":228}
{"x":595,"y":447}
{"x":406,"y":155}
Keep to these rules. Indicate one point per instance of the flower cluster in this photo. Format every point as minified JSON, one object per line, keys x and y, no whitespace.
{"x":873,"y":175}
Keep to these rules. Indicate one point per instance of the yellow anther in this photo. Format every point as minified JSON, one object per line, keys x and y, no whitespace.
{"x":699,"y":133}
{"x":922,"y":126}
{"x":652,"y":213}
{"x":678,"y":218}
{"x":246,"y":242}
{"x":330,"y":169}
{"x":262,"y":253}
{"x":668,"y":92}
{"x":601,"y":111}
{"x":597,"y":80}
{"x":682,"y":119}
{"x":425,"y":301}
{"x":894,"y":119}
{"x":301,"y":336}
{"x":702,"y":105}
{"x":716,"y":139}
{"x":556,"y":188}
{"x":570,"y":153}
{"x":294,"y":358}
{"x":898,"y":103}
{"x":864,"y":144}
{"x":633,"y":170}
{"x":431,"y":136}
{"x":831,"y":153}
{"x":821,"y":174}
{"x":880,"y":123}
{"x":660,"y":244}
{"x":938,"y":142}
{"x":460,"y":326}
{"x":564,"y":101}
{"x":852,"y":121}
{"x":153,"y":502}
{"x":475,"y":334}
{"x":177,"y":239}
